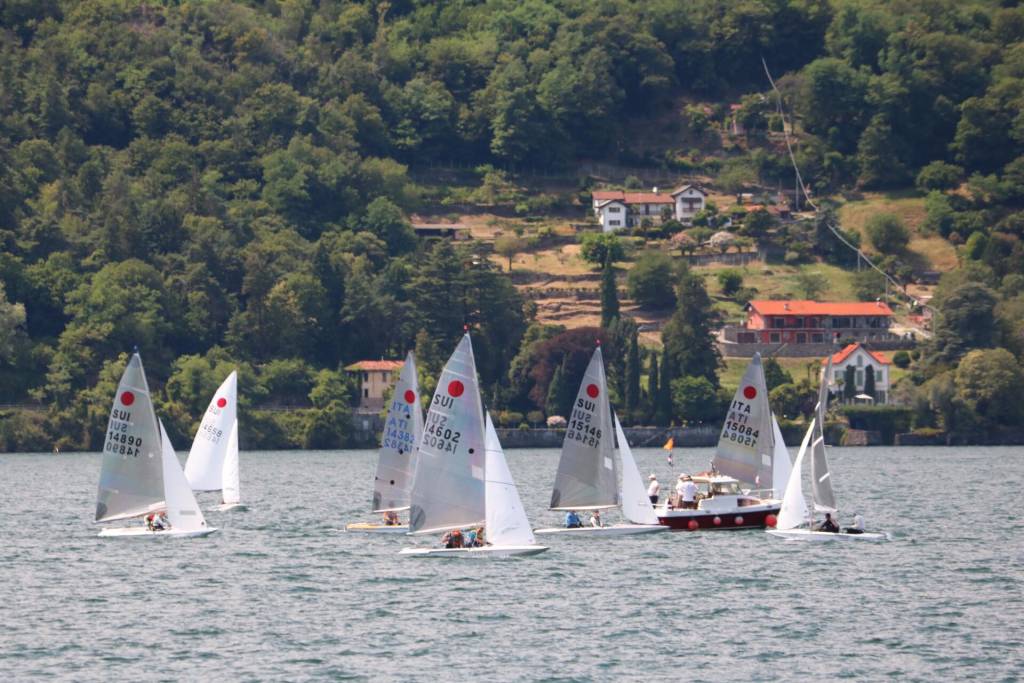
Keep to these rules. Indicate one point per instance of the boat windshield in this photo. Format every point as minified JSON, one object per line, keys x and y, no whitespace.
{"x":725,"y":488}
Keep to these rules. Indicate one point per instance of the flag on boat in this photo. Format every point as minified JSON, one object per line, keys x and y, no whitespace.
{"x":670,"y":444}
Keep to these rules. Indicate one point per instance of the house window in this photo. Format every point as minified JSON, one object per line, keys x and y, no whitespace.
{"x":774,"y":338}
{"x":798,"y":322}
{"x":366,"y":393}
{"x":818,"y":338}
{"x":778,"y":323}
{"x":366,"y":377}
{"x":859,"y":378}
{"x":614,"y":223}
{"x":614,"y":209}
{"x":801,"y":338}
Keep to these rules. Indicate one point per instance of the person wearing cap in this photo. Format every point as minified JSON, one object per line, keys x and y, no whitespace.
{"x":858,"y":524}
{"x":687,"y":491}
{"x":653,"y":489}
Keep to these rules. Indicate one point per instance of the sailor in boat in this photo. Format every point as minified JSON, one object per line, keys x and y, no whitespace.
{"x":572,"y":520}
{"x":475,"y":538}
{"x":828,"y":525}
{"x":653,"y":489}
{"x":595,"y":519}
{"x":453,"y":539}
{"x":687,"y":492}
{"x":391,"y":518}
{"x":858,"y":524}
{"x":157,"y":522}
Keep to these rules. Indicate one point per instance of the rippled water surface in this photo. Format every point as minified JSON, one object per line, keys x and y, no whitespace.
{"x":281,"y":592}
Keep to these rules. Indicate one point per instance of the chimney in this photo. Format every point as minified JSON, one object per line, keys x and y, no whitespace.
{"x":654,"y":189}
{"x":785,"y":306}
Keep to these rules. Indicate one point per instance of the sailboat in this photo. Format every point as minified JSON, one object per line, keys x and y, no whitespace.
{"x":749,"y":450}
{"x":396,"y":460}
{"x":794,"y":514}
{"x":141,"y":474}
{"x":587,"y":473}
{"x":450,"y":488}
{"x":212,"y":463}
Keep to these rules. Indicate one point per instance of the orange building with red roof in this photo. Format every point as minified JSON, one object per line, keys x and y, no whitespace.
{"x":814,"y":322}
{"x":375,"y":377}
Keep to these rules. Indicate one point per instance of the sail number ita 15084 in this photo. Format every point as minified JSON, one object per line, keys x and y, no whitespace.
{"x":736,"y":428}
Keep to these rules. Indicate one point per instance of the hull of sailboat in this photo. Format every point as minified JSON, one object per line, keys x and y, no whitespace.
{"x":228,"y":507}
{"x":136,"y":531}
{"x":489,"y":551}
{"x":808,"y":536}
{"x":748,"y":517}
{"x":369,"y":528}
{"x":614,"y":530}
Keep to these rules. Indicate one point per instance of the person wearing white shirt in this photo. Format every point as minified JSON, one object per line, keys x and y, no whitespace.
{"x":858,"y":524}
{"x":653,"y":489}
{"x":595,"y":519}
{"x":689,"y":493}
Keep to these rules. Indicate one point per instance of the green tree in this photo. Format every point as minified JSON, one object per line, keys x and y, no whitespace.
{"x":609,"y":294}
{"x":508,"y":246}
{"x":597,"y":247}
{"x":938,"y":175}
{"x":811,"y":284}
{"x":560,"y":392}
{"x":966,"y":320}
{"x":385,"y":220}
{"x":650,"y":280}
{"x":774,"y":374}
{"x":887,"y":233}
{"x":689,"y":335}
{"x":869,"y":381}
{"x":632,"y":397}
{"x":849,"y":383}
{"x":12,"y":321}
{"x":730,"y":280}
{"x":988,"y":383}
{"x":695,"y":399}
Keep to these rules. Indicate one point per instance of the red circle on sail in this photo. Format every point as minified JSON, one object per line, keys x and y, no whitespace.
{"x":221,"y":402}
{"x":409,"y":396}
{"x":127,"y":398}
{"x":592,"y":390}
{"x":455,"y":388}
{"x":749,"y":392}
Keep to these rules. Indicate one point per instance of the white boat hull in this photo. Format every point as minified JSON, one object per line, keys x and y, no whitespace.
{"x":487,"y":551}
{"x":809,"y":536}
{"x":368,"y":528}
{"x":228,"y":507}
{"x":614,"y":530}
{"x":127,"y":531}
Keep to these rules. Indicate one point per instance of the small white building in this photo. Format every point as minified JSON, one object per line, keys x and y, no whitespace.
{"x":616,"y":209}
{"x":861,"y":359}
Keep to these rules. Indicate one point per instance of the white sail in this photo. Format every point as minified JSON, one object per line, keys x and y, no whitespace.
{"x":781,"y":466}
{"x":587,"y":478}
{"x":131,"y":478}
{"x":507,"y":523}
{"x":794,"y":508}
{"x":182,"y":510}
{"x":448,"y":487}
{"x":230,"y":493}
{"x":636,"y":505}
{"x":403,"y":430}
{"x":821,"y":475}
{"x":205,"y":464}
{"x":745,"y":445}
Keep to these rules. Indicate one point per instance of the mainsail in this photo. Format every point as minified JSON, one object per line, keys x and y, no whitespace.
{"x":794,"y":507}
{"x":205,"y":466}
{"x":448,"y":487}
{"x":745,"y":446}
{"x":780,"y":461}
{"x":821,"y":476}
{"x":182,"y":510}
{"x":131,"y":478}
{"x":230,"y":493}
{"x":587,"y":477}
{"x":507,"y":523}
{"x":636,"y":505}
{"x":403,"y":430}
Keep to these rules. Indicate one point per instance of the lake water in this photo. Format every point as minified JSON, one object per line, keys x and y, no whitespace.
{"x":281,"y":593}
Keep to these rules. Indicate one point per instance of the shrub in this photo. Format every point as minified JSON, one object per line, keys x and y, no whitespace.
{"x":596,"y":247}
{"x":939,"y":175}
{"x":888,"y":420}
{"x":887,"y":233}
{"x":901,"y":359}
{"x":731,"y":280}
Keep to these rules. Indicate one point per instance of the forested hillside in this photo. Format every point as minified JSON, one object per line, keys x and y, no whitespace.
{"x":229,"y":184}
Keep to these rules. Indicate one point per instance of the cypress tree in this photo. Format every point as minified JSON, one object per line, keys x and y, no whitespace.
{"x":652,"y":382}
{"x":869,"y":381}
{"x":633,"y":373}
{"x":849,"y":382}
{"x":609,"y":294}
{"x":663,"y":399}
{"x":560,"y":392}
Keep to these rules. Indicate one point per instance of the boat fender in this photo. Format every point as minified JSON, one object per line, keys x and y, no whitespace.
{"x":739,"y":520}
{"x":717,"y":520}
{"x":770,"y":520}
{"x":693,"y":525}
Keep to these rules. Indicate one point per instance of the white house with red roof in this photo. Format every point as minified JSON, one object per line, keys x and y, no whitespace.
{"x":617,"y":209}
{"x":375,"y":377}
{"x":860,"y":358}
